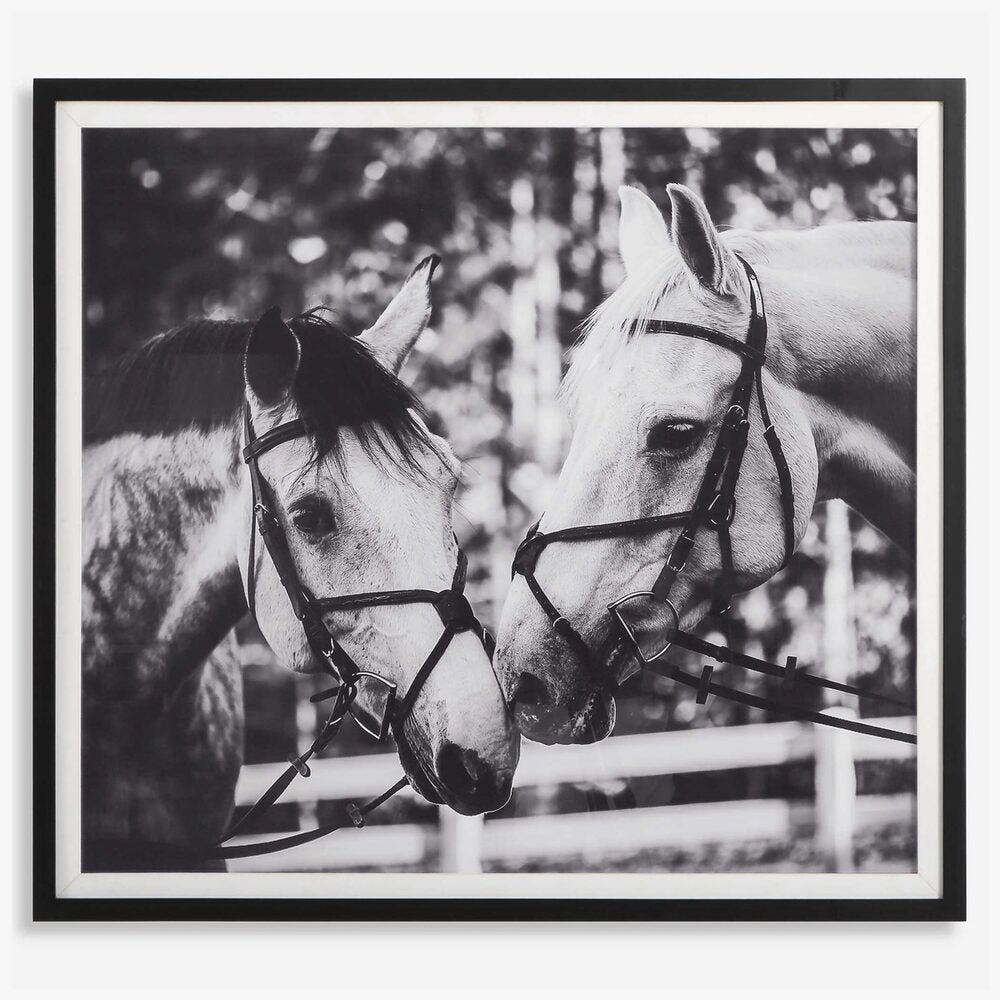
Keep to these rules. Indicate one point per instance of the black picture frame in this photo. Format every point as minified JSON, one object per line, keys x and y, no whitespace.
{"x":949,"y":93}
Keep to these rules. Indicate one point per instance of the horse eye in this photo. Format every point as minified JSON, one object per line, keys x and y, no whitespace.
{"x":672,"y":435}
{"x":313,"y":521}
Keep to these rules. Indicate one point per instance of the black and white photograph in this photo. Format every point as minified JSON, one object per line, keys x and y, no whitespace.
{"x":514,"y":496}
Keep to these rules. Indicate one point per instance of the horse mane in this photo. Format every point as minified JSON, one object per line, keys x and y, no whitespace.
{"x":192,"y":377}
{"x":623,"y":315}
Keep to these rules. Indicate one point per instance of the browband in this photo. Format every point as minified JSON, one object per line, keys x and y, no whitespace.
{"x":746,"y":350}
{"x":272,"y":438}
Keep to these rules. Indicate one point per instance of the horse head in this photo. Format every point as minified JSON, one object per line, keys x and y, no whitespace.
{"x":646,"y":410}
{"x":364,"y":501}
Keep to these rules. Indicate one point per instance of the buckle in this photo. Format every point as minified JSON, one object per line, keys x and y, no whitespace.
{"x":684,"y":544}
{"x":712,"y":514}
{"x":679,"y":566}
{"x":736,"y":417}
{"x":266,"y":521}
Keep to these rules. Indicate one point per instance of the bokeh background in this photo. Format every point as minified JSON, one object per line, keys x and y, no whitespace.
{"x":228,"y":222}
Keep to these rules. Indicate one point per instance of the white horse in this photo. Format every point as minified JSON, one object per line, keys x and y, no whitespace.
{"x":365,"y":502}
{"x":646,"y":409}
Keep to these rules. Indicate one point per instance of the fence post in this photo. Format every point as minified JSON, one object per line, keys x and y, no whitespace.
{"x":836,"y":784}
{"x":461,"y":842}
{"x":836,"y":789}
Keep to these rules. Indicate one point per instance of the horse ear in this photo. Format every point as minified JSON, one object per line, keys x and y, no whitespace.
{"x":695,"y":236}
{"x":271,"y":359}
{"x":395,"y":332}
{"x":642,"y":233}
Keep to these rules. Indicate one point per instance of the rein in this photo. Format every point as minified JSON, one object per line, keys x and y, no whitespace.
{"x":714,"y":508}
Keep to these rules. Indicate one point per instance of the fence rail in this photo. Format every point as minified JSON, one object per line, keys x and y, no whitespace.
{"x":464,"y":842}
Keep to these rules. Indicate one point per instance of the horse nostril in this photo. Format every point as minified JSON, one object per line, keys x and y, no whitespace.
{"x":458,"y":769}
{"x":529,"y":690}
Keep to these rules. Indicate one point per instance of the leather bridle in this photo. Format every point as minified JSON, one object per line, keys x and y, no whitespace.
{"x":713,"y":509}
{"x":452,"y":606}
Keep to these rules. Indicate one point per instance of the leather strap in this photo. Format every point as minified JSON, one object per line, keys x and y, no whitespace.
{"x":297,"y":766}
{"x":724,"y":654}
{"x":376,"y":599}
{"x":351,"y":815}
{"x":785,"y":491}
{"x":707,"y":686}
{"x":256,"y":446}
{"x":537,"y":540}
{"x":409,"y":699}
{"x":752,"y":352}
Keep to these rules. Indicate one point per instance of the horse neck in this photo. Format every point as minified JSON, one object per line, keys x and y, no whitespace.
{"x":161,"y":584}
{"x":841,"y":311}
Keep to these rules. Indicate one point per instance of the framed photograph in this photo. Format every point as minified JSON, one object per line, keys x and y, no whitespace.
{"x":499,"y":500}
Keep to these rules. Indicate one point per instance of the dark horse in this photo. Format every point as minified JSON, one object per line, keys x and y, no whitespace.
{"x":365,"y":501}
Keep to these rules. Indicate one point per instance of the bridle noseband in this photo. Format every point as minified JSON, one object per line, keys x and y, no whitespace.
{"x":714,"y":508}
{"x":452,"y":606}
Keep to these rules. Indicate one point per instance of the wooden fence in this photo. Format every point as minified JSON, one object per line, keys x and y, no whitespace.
{"x":464,"y":843}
